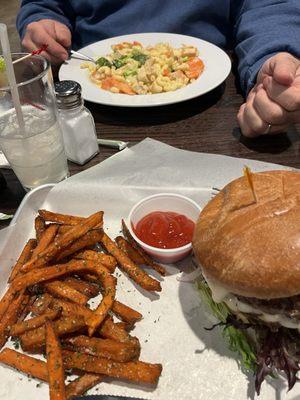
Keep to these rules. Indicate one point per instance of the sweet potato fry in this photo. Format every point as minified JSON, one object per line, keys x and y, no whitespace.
{"x":82,"y":384}
{"x":45,"y":239}
{"x":108,"y":283}
{"x":87,"y":288}
{"x":24,"y":257}
{"x":60,"y":218}
{"x":64,"y":266}
{"x":41,"y":304}
{"x":38,"y":369}
{"x":65,"y":291}
{"x":26,"y":364}
{"x":56,"y":373}
{"x":122,"y":325}
{"x":111,"y":330}
{"x":135,"y":273}
{"x":33,"y":323}
{"x":106,"y":348}
{"x":66,"y":221}
{"x":40,"y":226}
{"x":69,"y":309}
{"x":41,"y":275}
{"x":147,"y":260}
{"x":129,"y":250}
{"x":27,"y":309}
{"x":125,"y":313}
{"x":6,"y":300}
{"x":35,"y":339}
{"x":136,"y":371}
{"x":63,"y":229}
{"x":62,"y":242}
{"x":107,"y":260}
{"x":11,"y":315}
{"x":89,"y":239}
{"x":89,"y":278}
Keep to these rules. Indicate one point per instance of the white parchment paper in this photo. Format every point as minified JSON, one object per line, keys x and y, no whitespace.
{"x":196,"y":362}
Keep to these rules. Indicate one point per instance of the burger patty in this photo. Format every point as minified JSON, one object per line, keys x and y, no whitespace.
{"x":288,"y":306}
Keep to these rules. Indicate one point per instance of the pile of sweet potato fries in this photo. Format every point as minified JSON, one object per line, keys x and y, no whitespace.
{"x":46,"y":306}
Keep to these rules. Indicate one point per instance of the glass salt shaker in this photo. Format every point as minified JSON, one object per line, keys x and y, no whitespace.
{"x":77,"y":123}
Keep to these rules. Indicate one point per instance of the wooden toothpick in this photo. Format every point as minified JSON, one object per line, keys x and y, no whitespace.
{"x":248,"y":175}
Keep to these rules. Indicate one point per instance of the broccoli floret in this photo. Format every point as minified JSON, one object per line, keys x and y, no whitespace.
{"x":120,"y":62}
{"x":103,"y":62}
{"x":130,"y":72}
{"x":139,"y":57}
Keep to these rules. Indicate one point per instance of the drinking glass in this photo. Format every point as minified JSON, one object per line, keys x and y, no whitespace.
{"x":36,"y":154}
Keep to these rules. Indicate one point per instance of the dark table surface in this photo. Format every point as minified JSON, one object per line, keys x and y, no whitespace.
{"x":205,"y":124}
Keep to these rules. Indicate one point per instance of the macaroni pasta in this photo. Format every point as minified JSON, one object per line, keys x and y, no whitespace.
{"x":133,"y":69}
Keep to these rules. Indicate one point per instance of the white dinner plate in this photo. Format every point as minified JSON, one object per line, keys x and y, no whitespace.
{"x":217,"y":67}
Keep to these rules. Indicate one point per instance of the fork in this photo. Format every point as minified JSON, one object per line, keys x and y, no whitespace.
{"x":82,"y":56}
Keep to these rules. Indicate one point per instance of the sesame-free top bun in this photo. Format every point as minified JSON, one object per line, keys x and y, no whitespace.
{"x":253,"y":249}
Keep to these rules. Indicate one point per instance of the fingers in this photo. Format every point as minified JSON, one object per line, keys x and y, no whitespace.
{"x":44,"y":32}
{"x":41,"y":36}
{"x":258,"y":112}
{"x":249,"y":120}
{"x":268,"y":109}
{"x":253,"y":125}
{"x":30,"y":46}
{"x":284,"y":68}
{"x":63,"y":35}
{"x":286,"y":97}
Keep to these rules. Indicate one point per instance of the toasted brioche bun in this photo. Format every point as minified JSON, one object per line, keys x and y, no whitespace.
{"x":253,"y":249}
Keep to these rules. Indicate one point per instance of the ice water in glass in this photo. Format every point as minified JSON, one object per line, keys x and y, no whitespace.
{"x":36,"y":153}
{"x":38,"y":156}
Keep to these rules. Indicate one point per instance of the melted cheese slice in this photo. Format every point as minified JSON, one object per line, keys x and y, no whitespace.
{"x":220,"y":294}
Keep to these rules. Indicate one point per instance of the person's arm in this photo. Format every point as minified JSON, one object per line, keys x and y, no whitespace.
{"x":262,"y":29}
{"x":35,"y":10}
{"x":268,"y":50}
{"x":46,"y":22}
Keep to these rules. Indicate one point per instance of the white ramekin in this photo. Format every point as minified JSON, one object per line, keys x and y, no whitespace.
{"x":164,"y":202}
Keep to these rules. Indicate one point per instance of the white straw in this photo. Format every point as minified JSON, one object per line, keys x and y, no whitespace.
{"x":11,"y":77}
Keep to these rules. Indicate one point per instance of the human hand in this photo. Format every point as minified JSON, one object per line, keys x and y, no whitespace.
{"x":274,"y":102}
{"x":46,"y":31}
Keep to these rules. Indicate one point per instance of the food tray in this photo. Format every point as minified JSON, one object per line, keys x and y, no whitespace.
{"x":188,"y":353}
{"x":31,"y":203}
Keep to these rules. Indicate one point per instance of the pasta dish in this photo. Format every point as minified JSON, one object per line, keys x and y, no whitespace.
{"x":133,"y":69}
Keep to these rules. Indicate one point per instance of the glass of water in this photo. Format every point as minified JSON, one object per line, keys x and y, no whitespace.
{"x":36,"y":154}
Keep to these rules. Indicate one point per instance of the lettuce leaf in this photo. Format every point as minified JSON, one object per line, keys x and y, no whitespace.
{"x":237,"y":340}
{"x":276,"y":350}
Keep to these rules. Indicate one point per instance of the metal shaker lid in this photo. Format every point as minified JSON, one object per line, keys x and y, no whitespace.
{"x":68,"y":94}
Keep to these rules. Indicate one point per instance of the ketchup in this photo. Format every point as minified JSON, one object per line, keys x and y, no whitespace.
{"x":165,"y":229}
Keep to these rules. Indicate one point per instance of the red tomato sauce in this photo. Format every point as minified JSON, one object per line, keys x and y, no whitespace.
{"x":165,"y":229}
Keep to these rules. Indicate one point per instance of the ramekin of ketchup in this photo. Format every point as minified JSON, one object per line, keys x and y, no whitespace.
{"x":163,"y":225}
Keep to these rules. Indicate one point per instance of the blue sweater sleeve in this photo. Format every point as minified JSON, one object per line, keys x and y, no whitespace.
{"x":35,"y":10}
{"x":262,"y":29}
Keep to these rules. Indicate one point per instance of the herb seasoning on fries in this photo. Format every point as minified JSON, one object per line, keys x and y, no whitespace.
{"x":45,"y":307}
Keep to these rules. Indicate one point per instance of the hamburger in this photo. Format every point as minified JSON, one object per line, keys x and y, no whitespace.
{"x":247,"y":242}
